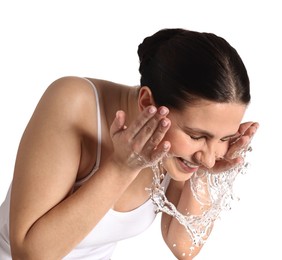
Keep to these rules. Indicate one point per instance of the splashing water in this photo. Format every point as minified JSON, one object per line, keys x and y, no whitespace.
{"x":214,"y":192}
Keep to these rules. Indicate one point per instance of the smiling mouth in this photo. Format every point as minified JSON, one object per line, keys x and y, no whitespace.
{"x":188,"y":164}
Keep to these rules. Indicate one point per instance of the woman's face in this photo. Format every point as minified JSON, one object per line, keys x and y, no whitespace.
{"x":200,"y":135}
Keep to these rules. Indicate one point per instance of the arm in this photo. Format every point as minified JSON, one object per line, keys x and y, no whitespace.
{"x":175,"y":235}
{"x":46,"y":221}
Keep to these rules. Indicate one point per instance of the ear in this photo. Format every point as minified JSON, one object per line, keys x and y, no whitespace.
{"x":145,"y":98}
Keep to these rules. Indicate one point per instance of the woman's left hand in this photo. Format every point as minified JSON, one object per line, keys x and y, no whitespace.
{"x":238,"y":145}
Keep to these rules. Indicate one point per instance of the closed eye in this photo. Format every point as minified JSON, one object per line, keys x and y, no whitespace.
{"x":197,"y":138}
{"x":226,"y":139}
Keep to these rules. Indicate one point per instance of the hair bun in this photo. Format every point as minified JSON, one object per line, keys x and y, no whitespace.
{"x":150,"y":45}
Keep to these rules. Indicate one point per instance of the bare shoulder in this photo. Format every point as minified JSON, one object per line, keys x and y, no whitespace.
{"x":69,"y":99}
{"x":71,"y":84}
{"x":70,"y":91}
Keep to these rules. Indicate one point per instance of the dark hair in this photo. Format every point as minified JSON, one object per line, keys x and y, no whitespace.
{"x":181,"y":66}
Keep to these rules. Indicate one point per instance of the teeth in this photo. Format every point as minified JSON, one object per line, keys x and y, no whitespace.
{"x":188,"y":163}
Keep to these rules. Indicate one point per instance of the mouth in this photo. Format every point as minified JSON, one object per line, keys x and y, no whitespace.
{"x":187,"y":166}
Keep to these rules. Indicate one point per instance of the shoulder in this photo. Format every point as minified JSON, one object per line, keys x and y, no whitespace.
{"x":70,"y":87}
{"x":68,"y":99}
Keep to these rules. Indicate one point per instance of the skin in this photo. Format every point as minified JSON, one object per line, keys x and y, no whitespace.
{"x":48,"y":217}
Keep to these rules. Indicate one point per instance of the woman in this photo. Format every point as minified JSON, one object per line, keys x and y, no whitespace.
{"x":84,"y":161}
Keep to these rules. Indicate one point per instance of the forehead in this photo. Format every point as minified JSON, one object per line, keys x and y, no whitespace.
{"x":221,"y":118}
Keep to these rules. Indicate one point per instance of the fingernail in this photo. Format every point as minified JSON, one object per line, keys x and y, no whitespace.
{"x":166,"y":145}
{"x":152,"y":110}
{"x":117,"y":114}
{"x":164,"y":123}
{"x":163,"y":111}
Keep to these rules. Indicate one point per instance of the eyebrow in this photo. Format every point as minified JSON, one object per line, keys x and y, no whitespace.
{"x":206,"y":133}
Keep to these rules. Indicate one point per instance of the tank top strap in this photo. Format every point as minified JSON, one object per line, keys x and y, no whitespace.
{"x":99,"y":139}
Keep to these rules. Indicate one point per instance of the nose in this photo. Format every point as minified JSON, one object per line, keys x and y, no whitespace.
{"x":205,"y":158}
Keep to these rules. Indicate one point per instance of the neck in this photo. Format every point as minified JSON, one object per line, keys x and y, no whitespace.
{"x":119,"y":97}
{"x":128,"y":103}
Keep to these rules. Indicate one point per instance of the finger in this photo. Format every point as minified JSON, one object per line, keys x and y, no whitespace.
{"x":251,"y":130}
{"x":238,"y":147}
{"x":118,"y":123}
{"x":226,"y":164}
{"x":147,"y":130}
{"x":157,"y":136}
{"x":148,"y":120}
{"x":247,"y":125}
{"x":246,"y":129}
{"x":141,"y":120}
{"x":244,"y":126}
{"x":160,"y":151}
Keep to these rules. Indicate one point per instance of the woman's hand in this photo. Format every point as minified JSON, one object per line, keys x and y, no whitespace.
{"x":238,"y":145}
{"x":140,"y":144}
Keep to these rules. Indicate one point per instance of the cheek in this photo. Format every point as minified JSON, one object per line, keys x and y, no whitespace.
{"x":174,"y":140}
{"x":181,"y":144}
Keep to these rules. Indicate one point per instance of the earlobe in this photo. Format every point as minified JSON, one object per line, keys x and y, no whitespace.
{"x":145,"y":98}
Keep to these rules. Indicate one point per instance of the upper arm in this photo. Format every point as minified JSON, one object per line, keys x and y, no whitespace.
{"x":49,"y":153}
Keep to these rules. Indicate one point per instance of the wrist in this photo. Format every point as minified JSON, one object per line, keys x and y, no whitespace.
{"x":123,"y":169}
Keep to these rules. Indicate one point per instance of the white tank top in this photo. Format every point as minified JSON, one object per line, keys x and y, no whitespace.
{"x":100,"y":243}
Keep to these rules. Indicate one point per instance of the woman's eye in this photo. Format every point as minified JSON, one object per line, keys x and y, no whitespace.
{"x":225,"y":139}
{"x":196,"y":138}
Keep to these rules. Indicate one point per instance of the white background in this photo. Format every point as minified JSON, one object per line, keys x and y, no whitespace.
{"x":43,"y":40}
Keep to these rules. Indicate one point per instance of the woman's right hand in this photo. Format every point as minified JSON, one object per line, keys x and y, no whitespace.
{"x":140,"y":144}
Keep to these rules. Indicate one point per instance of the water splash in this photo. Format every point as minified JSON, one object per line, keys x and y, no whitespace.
{"x":214,"y":192}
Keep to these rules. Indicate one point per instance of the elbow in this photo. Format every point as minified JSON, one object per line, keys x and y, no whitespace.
{"x":186,"y":254}
{"x":27,"y":255}
{"x":17,"y":250}
{"x":182,"y":248}
{"x":27,"y":252}
{"x":17,"y":253}
{"x":183,"y":252}
{"x":21,"y":251}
